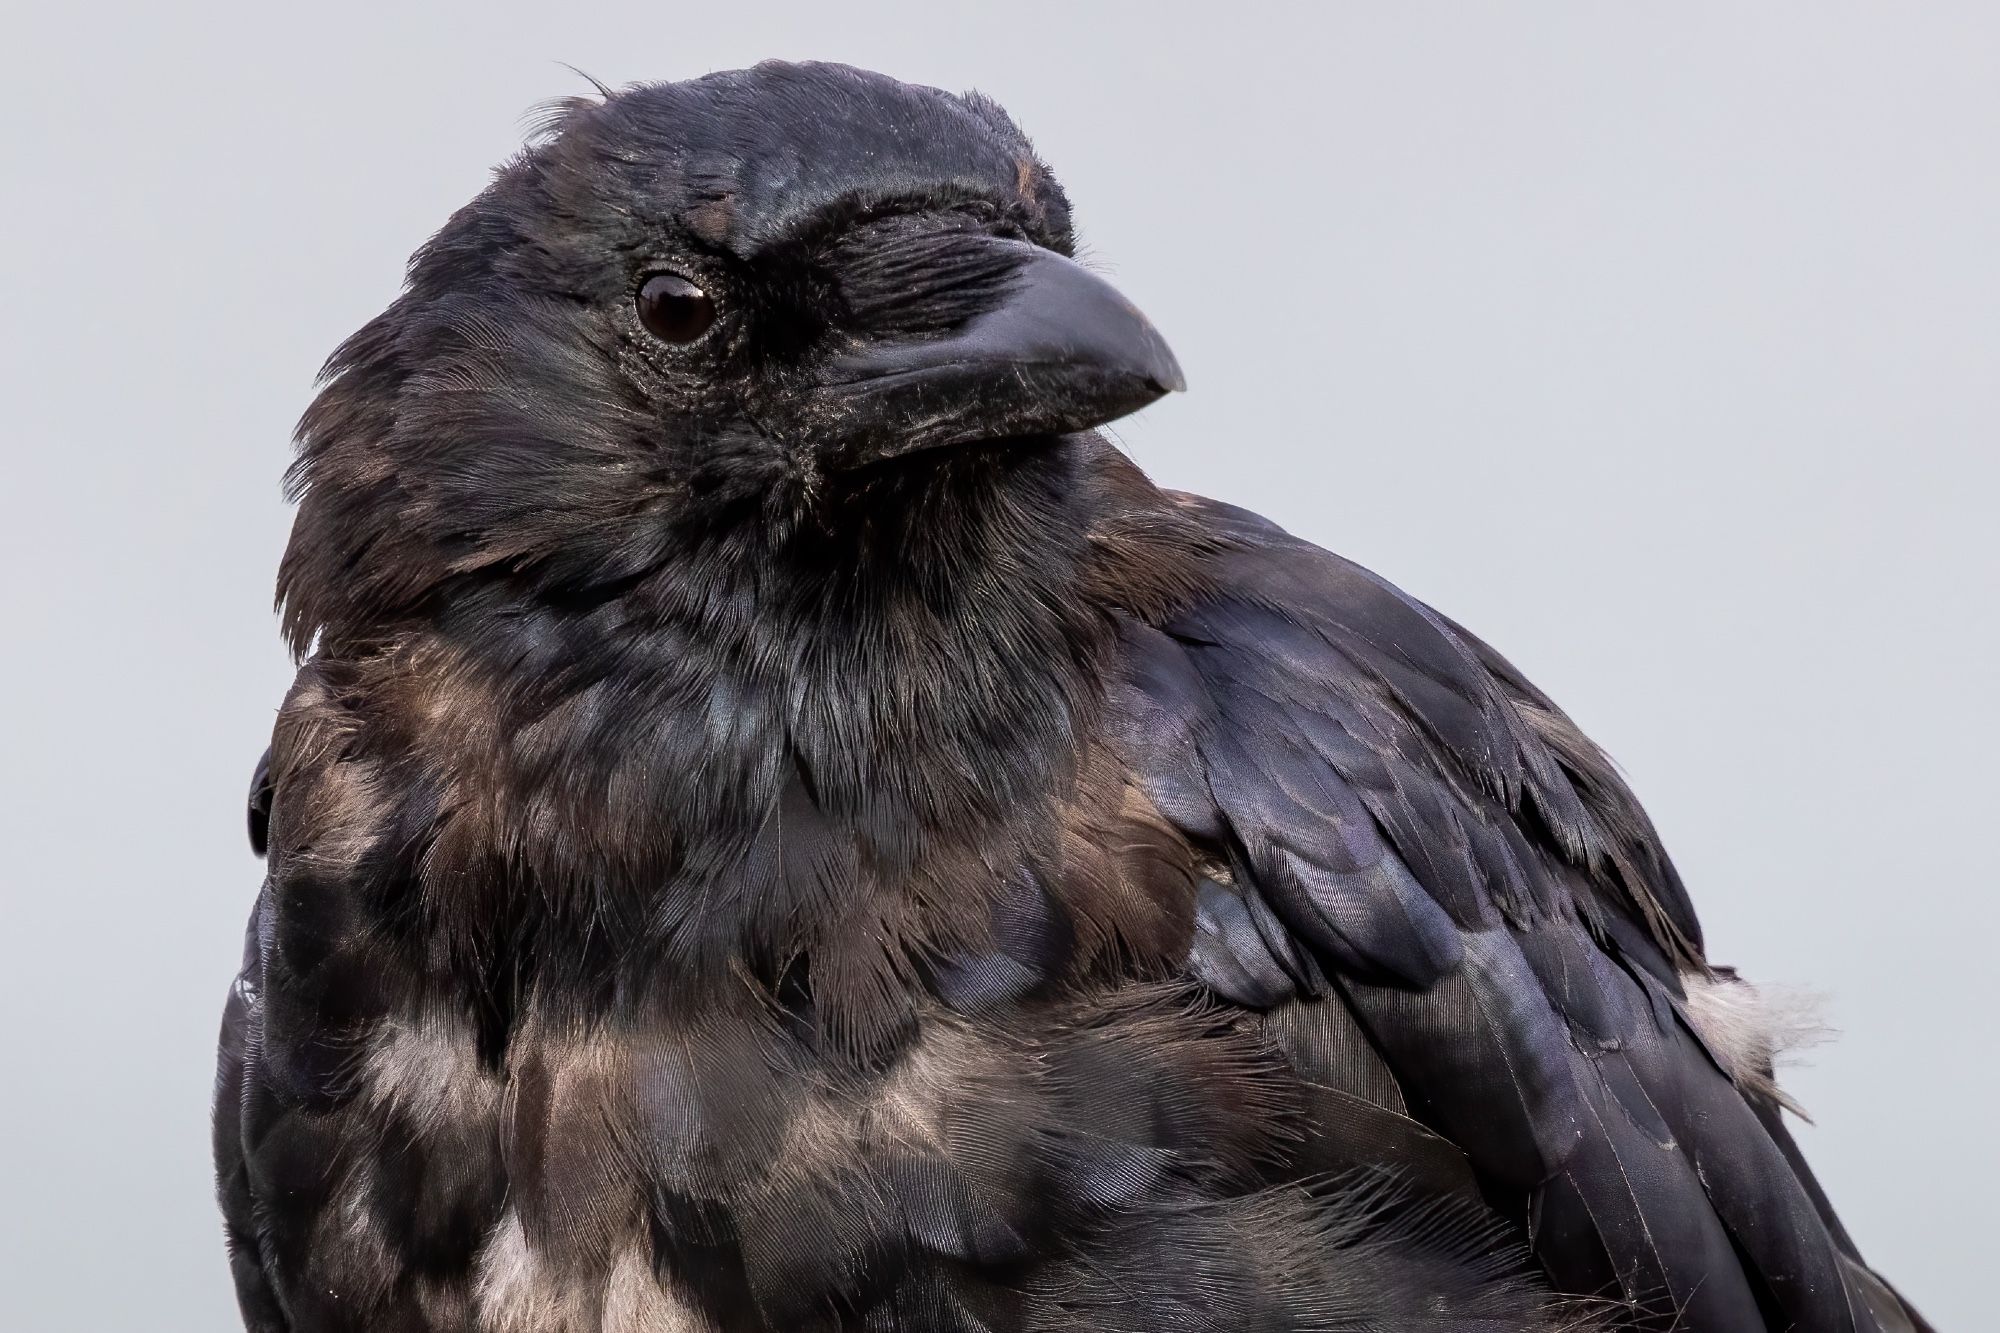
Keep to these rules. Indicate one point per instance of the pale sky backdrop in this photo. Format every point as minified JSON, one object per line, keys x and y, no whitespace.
{"x":1659,"y":344}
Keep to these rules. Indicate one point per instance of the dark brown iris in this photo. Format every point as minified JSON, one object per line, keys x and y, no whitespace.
{"x":673,"y":309}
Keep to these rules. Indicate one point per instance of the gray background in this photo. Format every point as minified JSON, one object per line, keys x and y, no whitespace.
{"x":1658,"y":344}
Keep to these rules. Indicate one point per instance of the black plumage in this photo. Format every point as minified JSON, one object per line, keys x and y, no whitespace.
{"x":780,"y":826}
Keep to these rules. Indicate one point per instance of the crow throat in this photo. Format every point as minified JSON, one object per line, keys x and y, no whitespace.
{"x":917,"y":657}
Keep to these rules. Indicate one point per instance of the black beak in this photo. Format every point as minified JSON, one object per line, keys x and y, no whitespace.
{"x":1058,"y":350}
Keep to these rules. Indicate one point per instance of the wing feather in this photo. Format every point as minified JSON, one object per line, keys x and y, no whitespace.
{"x":1466,"y":877}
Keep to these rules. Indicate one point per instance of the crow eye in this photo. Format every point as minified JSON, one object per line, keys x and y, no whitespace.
{"x":673,"y":309}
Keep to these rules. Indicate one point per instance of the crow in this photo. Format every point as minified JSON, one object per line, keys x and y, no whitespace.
{"x":780,"y":825}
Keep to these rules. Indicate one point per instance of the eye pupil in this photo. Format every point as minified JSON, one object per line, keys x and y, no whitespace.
{"x":673,"y":309}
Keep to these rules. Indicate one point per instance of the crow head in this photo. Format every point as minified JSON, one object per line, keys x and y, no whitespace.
{"x":692,"y":311}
